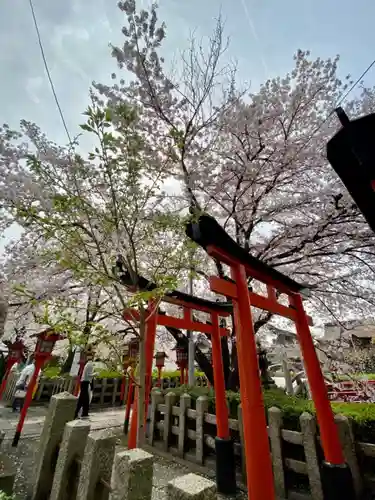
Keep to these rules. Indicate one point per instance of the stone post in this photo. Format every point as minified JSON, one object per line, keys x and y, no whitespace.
{"x":39,"y":390}
{"x":170,"y":399}
{"x":348,"y":445}
{"x":287,"y":375}
{"x":72,"y":447}
{"x":132,"y":475}
{"x":308,"y":428}
{"x":156,"y":399}
{"x":242,"y":440}
{"x":96,"y":464}
{"x":185,"y":403}
{"x":275,"y":420}
{"x":201,"y":408}
{"x":191,"y":487}
{"x":61,"y":410}
{"x":102,"y":393}
{"x":71,"y":385}
{"x":115,"y":387}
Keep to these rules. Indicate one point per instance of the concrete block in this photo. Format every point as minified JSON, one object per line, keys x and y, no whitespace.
{"x":191,"y":487}
{"x":132,"y":475}
{"x":61,"y":410}
{"x":96,"y":465}
{"x":73,"y":444}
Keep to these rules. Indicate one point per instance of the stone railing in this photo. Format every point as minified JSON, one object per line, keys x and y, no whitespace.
{"x":178,"y":428}
{"x":76,"y":464}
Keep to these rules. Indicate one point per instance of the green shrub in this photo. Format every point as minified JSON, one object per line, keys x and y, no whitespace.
{"x":362,"y":415}
{"x":173,"y":373}
{"x":104,"y":373}
{"x":51,"y":372}
{"x":4,"y":496}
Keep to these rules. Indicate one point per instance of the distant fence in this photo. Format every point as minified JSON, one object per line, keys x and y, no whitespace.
{"x":188,"y":432}
{"x":107,"y":391}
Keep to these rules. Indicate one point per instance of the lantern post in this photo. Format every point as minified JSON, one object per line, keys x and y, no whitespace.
{"x":160,"y":363}
{"x":15,"y":353}
{"x":125,"y":366}
{"x":131,"y":353}
{"x":46,"y":341}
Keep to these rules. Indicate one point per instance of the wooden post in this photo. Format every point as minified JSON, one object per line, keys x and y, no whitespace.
{"x":170,"y":399}
{"x":185,"y":403}
{"x":275,"y":421}
{"x":201,"y":408}
{"x":308,"y":428}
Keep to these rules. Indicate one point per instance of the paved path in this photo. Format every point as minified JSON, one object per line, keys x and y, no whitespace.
{"x":104,"y":419}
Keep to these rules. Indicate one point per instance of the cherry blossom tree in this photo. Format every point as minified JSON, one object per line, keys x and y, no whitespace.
{"x":255,"y":160}
{"x":86,"y":214}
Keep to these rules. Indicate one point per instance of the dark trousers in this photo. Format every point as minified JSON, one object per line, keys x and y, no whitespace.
{"x":17,"y":403}
{"x":83,"y":400}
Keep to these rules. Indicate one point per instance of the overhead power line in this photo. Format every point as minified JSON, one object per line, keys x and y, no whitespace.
{"x":340,"y":100}
{"x":48,"y":72}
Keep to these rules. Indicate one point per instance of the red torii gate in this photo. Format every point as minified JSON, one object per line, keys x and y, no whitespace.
{"x":336,"y":476}
{"x":225,"y":462}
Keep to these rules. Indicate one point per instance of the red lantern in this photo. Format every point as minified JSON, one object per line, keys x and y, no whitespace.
{"x":182,"y":362}
{"x":160,"y":362}
{"x":133,"y":350}
{"x":160,"y":359}
{"x":43,"y":351}
{"x":16,"y":350}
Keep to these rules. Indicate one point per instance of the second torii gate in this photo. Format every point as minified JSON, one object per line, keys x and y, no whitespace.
{"x":225,"y":461}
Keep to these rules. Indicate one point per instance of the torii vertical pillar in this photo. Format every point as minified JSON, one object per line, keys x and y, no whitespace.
{"x":337,"y":480}
{"x":259,"y":472}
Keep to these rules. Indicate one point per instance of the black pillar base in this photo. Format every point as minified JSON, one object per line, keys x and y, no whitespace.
{"x":225,"y":466}
{"x":16,"y":438}
{"x":126,"y":426}
{"x":337,"y":482}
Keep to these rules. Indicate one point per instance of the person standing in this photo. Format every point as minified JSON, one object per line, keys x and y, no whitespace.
{"x":22,"y":384}
{"x":83,"y":402}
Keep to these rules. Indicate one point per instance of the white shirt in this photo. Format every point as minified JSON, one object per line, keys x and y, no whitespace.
{"x":88,"y":372}
{"x":26,"y":375}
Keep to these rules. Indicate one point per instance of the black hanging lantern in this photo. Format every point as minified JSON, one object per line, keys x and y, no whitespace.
{"x":181,"y":356}
{"x":209,"y":356}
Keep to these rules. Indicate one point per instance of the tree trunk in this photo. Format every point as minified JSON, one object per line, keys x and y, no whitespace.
{"x":66,"y":367}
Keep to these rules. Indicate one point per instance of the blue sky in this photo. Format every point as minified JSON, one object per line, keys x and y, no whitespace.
{"x":264,"y":36}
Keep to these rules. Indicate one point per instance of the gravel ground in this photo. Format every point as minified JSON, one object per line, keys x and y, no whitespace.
{"x":24,"y":459}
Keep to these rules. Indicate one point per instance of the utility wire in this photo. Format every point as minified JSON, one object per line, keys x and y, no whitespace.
{"x":48,"y":72}
{"x":340,"y":100}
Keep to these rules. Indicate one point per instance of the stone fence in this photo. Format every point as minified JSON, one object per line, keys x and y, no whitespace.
{"x":107,"y":391}
{"x":178,"y":428}
{"x":76,"y":464}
